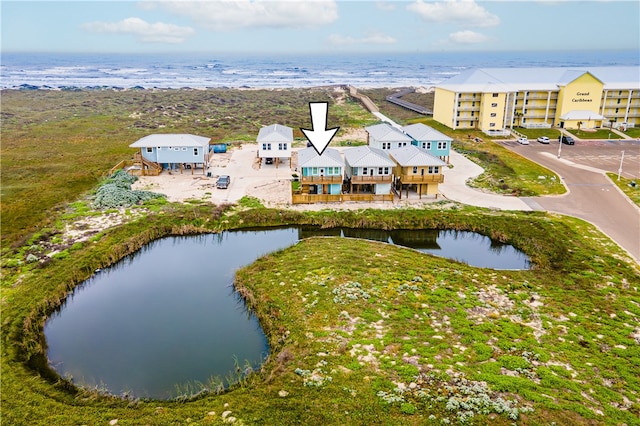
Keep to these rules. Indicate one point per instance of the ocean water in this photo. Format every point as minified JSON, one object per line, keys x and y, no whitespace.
{"x":54,"y":71}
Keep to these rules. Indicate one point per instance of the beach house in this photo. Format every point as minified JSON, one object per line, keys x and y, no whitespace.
{"x":385,"y":137}
{"x":368,"y":170}
{"x":321,"y":176}
{"x":417,"y":171}
{"x":434,"y":142}
{"x":170,"y":152}
{"x":274,"y":144}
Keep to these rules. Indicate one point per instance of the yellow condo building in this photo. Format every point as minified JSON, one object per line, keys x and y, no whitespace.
{"x":495,"y":100}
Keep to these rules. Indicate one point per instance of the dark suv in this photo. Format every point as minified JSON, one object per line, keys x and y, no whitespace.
{"x":223,"y":182}
{"x":566,"y":140}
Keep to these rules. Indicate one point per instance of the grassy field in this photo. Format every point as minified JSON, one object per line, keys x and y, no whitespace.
{"x":59,"y":144}
{"x":365,"y":333}
{"x":631,"y":187}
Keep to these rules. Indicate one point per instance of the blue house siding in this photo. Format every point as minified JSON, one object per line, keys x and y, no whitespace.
{"x":436,"y":148}
{"x":184,"y":154}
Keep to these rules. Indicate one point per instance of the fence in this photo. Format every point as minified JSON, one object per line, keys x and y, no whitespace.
{"x":338,"y":198}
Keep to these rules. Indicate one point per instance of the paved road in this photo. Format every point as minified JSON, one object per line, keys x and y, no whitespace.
{"x":591,"y":196}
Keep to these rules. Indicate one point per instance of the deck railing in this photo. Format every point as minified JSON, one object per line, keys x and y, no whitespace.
{"x":422,"y":178}
{"x":371,"y":179}
{"x":321,"y":179}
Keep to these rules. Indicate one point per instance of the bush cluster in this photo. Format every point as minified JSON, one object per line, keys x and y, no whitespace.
{"x":116,"y":192}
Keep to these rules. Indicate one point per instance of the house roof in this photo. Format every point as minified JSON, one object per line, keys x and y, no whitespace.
{"x":487,"y":80}
{"x":170,"y":139}
{"x":582,"y":115}
{"x":411,"y":155}
{"x":386,"y":133}
{"x":308,"y":157}
{"x":421,"y":132}
{"x":366,"y":156}
{"x":275,"y":133}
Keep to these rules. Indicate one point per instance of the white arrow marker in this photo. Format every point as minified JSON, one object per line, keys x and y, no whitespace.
{"x":319,"y":135}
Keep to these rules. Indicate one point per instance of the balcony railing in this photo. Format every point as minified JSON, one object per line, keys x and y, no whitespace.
{"x":433,"y":178}
{"x":371,"y":179}
{"x":321,"y":179}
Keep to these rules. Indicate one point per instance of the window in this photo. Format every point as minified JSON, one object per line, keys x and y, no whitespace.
{"x":617,"y":109}
{"x":379,"y":170}
{"x":458,"y":114}
{"x":415,"y":169}
{"x":195,"y":151}
{"x":176,"y":148}
{"x":434,"y":169}
{"x":457,"y":123}
{"x":516,"y":102}
{"x":264,"y":146}
{"x":386,"y":170}
{"x":495,"y":95}
{"x":473,"y":113}
{"x":618,"y":100}
{"x":430,"y":169}
{"x":493,"y":114}
{"x":184,"y":148}
{"x":365,"y":171}
{"x":471,"y":123}
{"x":442,"y":145}
{"x":149,"y":149}
{"x":458,"y":104}
{"x":386,"y":145}
{"x":526,"y":102}
{"x":473,"y":104}
{"x":314,"y":171}
{"x":493,"y":105}
{"x":269,"y":146}
{"x":282,"y":146}
{"x":492,"y":124}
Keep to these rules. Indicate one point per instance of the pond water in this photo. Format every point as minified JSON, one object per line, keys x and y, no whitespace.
{"x":168,"y":316}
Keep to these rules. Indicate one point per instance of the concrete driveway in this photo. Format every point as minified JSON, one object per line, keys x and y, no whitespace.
{"x":592,"y":196}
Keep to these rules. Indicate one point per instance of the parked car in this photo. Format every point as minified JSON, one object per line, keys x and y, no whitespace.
{"x":223,"y":182}
{"x":543,"y":139}
{"x":268,"y":160}
{"x":566,"y":140}
{"x":523,"y":140}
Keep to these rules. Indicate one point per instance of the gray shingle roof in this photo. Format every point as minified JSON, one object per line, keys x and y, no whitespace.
{"x":275,"y":133}
{"x":385,"y":133}
{"x":170,"y":139}
{"x":366,"y":156}
{"x":421,"y":132}
{"x":411,"y":155}
{"x":308,"y":157}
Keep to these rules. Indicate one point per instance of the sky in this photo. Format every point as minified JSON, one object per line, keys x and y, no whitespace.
{"x":317,"y":26}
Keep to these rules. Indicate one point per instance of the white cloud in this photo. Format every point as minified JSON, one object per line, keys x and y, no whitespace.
{"x":385,"y":6}
{"x":224,"y":15}
{"x":158,"y":32}
{"x":463,"y":12}
{"x":467,"y":37}
{"x":374,"y":38}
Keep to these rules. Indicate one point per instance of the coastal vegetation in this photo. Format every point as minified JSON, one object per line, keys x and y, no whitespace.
{"x":362,"y":332}
{"x":58,"y":144}
{"x":359,"y":332}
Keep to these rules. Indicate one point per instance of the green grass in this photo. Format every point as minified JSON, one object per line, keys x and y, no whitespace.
{"x":57,"y":145}
{"x":625,"y":185}
{"x":365,"y":333}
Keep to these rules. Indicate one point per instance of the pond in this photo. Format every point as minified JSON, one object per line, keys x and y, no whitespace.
{"x":165,"y":321}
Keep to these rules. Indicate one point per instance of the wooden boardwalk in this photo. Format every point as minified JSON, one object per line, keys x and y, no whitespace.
{"x":395,"y":99}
